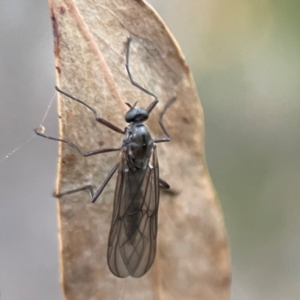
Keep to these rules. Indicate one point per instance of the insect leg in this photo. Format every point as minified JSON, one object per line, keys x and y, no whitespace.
{"x":88,"y":153}
{"x":83,"y":188}
{"x":167,"y":138}
{"x":163,"y":184}
{"x":90,"y":187}
{"x":105,"y":182}
{"x":153,"y":104}
{"x":98,"y":119}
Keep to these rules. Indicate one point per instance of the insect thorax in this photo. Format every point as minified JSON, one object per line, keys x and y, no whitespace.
{"x":138,"y":144}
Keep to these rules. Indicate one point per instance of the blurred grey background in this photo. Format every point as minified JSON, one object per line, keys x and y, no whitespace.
{"x":245,"y":57}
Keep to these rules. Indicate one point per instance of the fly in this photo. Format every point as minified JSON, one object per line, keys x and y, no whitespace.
{"x":132,"y":238}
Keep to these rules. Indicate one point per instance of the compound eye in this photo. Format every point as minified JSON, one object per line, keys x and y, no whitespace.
{"x":142,"y":115}
{"x":131,"y":115}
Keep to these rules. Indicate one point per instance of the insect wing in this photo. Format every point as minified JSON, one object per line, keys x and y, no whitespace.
{"x":132,"y":238}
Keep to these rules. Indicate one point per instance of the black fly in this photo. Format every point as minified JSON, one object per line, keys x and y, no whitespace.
{"x":132,"y":238}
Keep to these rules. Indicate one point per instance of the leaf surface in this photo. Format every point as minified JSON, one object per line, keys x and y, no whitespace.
{"x":192,"y":259}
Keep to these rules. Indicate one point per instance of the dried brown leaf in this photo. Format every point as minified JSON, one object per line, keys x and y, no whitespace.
{"x":192,"y":260}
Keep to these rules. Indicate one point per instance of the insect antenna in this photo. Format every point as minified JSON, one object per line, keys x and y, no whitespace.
{"x":130,"y":106}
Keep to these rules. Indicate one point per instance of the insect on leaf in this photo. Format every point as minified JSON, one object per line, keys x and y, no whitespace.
{"x":192,"y":259}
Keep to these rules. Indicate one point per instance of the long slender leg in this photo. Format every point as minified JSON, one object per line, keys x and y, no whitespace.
{"x":83,"y":188}
{"x":90,"y":187}
{"x":88,"y":153}
{"x":167,"y":138}
{"x":105,"y":182}
{"x":153,"y":104}
{"x":98,"y":119}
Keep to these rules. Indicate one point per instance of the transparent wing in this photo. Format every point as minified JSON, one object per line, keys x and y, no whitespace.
{"x":132,"y":238}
